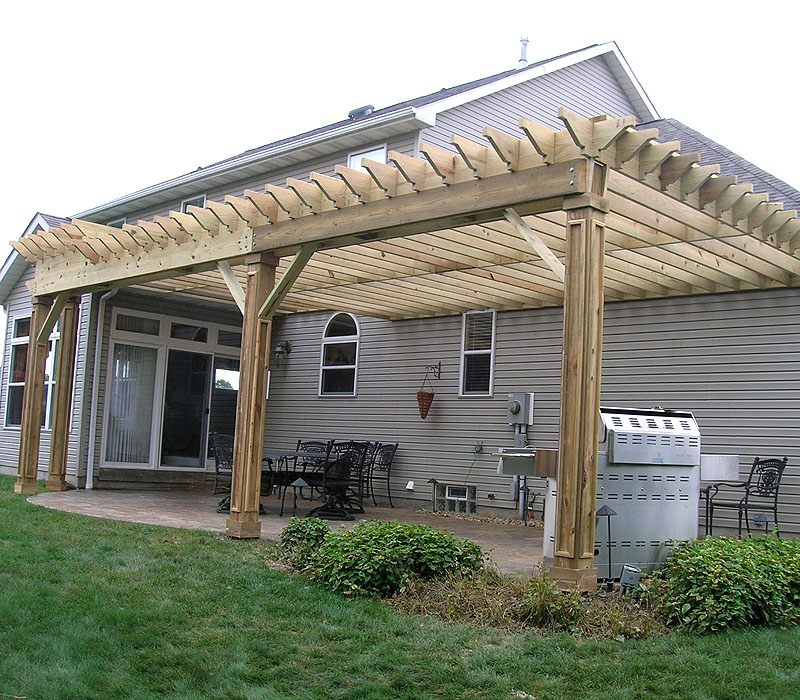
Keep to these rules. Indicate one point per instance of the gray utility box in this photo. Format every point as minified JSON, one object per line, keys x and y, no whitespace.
{"x":648,"y":472}
{"x":519,"y":409}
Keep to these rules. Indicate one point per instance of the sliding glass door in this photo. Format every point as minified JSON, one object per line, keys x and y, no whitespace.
{"x":186,"y":397}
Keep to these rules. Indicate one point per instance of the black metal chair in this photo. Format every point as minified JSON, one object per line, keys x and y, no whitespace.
{"x":222,"y":448}
{"x":382,"y":464}
{"x":343,"y":482}
{"x":310,"y":469}
{"x":759,"y":493}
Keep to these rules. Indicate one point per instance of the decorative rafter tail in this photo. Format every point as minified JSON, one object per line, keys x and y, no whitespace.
{"x":695,"y":177}
{"x":541,"y":138}
{"x":418,"y":172}
{"x":246,"y":211}
{"x":360,"y":184}
{"x":290,"y":206}
{"x":27,"y":251}
{"x":714,"y":187}
{"x":654,"y":154}
{"x":631,"y":142}
{"x":450,"y":166}
{"x":482,"y":160}
{"x":172,"y":229}
{"x":310,"y":195}
{"x":265,"y":204}
{"x":675,"y":167}
{"x":334,"y":189}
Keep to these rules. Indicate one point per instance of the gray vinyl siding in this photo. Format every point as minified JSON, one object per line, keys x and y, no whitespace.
{"x":588,"y":88}
{"x":18,"y":305}
{"x":733,"y":359}
{"x":404,"y":144}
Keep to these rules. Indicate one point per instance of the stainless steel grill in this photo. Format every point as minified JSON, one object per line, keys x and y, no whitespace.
{"x":649,"y":474}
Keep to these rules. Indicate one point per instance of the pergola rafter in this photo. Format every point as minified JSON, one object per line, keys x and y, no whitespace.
{"x":597,"y":210}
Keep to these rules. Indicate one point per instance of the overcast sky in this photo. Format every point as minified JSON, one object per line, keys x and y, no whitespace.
{"x":102,"y":99}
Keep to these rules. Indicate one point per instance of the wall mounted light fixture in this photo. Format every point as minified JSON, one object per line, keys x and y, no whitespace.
{"x":280,"y":352}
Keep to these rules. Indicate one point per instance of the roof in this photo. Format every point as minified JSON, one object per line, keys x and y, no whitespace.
{"x":15,"y":265}
{"x":402,"y":117}
{"x":730,"y":163}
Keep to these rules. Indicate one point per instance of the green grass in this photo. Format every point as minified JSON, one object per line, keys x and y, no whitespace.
{"x":100,"y":609}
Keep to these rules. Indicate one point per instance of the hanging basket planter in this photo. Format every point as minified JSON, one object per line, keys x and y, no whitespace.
{"x":424,"y":401}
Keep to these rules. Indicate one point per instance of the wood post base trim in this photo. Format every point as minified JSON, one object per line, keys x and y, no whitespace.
{"x":243,"y":529}
{"x":57,"y":485}
{"x":26,"y":488}
{"x":584,"y":580}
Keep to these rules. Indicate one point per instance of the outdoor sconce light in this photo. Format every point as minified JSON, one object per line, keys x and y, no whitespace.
{"x":410,"y":486}
{"x":281,"y":351}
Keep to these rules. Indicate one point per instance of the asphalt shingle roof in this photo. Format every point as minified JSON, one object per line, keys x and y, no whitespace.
{"x":730,"y":163}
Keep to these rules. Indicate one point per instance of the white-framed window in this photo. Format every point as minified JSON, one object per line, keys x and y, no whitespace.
{"x":477,"y":353}
{"x":456,"y":499}
{"x":338,"y":372}
{"x":117,"y":223}
{"x":18,"y":344}
{"x":377,"y":153}
{"x":199,"y":201}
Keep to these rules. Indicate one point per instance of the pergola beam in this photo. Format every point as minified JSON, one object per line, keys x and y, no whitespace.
{"x":536,"y":243}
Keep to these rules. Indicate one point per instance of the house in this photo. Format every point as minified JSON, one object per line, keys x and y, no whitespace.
{"x":691,"y":321}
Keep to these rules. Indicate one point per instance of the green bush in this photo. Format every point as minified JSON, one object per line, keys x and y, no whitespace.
{"x":301,"y":538}
{"x":543,"y":604}
{"x":380,"y":558}
{"x":721,"y":583}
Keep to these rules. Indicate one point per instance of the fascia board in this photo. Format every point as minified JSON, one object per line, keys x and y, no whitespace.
{"x":428,"y":112}
{"x":407,"y":115}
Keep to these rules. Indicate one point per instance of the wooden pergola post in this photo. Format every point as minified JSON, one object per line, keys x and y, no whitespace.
{"x":65,"y":376}
{"x":251,"y":404}
{"x":33,"y":400}
{"x":573,"y":563}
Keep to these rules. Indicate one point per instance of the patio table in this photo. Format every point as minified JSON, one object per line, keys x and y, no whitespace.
{"x":284,"y":477}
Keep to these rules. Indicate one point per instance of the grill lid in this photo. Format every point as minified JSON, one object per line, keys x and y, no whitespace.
{"x":651,"y":436}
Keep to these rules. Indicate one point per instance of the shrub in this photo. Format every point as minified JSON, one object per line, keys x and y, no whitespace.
{"x":380,"y":558}
{"x":543,"y":604}
{"x":301,"y":538}
{"x":720,"y":583}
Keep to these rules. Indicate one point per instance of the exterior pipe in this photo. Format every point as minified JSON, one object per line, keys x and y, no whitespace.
{"x":98,"y":351}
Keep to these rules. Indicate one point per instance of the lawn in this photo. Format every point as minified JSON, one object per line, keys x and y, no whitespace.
{"x":99,"y":609}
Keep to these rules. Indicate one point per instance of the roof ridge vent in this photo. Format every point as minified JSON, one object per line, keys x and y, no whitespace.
{"x":360,"y":112}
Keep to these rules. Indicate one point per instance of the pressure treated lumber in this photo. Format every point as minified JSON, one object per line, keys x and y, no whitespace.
{"x":33,"y":401}
{"x":65,"y":377}
{"x":251,"y":402}
{"x":573,"y":563}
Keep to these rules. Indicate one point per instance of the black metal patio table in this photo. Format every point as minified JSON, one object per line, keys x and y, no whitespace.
{"x":283,"y":477}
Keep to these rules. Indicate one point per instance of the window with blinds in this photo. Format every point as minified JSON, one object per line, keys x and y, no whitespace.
{"x":477,"y":353}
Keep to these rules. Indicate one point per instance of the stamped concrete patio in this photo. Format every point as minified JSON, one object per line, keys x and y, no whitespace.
{"x":513,"y":548}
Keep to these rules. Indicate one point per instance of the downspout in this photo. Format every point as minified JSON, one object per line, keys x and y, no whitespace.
{"x":98,"y":351}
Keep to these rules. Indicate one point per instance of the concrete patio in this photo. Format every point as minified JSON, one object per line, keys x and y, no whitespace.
{"x":513,"y":548}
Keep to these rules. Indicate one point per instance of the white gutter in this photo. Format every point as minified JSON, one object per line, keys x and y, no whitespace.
{"x":347,"y":129}
{"x":98,"y":352}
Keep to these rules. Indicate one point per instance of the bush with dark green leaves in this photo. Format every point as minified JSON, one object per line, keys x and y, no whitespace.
{"x":301,"y":538}
{"x":720,"y":583}
{"x":380,"y":558}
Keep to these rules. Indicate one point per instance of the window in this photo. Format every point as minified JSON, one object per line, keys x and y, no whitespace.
{"x":455,"y":499}
{"x":193,"y":202}
{"x":477,"y":353}
{"x":339,"y":362}
{"x":18,"y":369}
{"x":354,"y":159}
{"x":187,"y":331}
{"x":117,"y":223}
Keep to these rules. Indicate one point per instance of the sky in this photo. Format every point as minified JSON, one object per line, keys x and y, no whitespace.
{"x":102,"y":99}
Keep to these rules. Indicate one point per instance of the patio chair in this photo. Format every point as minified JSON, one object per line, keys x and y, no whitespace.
{"x":222,"y":448}
{"x":342,"y":482}
{"x":759,"y":493}
{"x":382,"y":465}
{"x":310,"y":469}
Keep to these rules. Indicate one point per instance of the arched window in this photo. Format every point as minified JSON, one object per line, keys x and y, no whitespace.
{"x":339,"y":363}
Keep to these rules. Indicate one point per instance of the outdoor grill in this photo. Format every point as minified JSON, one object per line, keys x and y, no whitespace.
{"x":648,"y":477}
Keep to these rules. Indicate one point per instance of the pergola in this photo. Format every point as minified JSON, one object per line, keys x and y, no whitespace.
{"x":596,"y":210}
